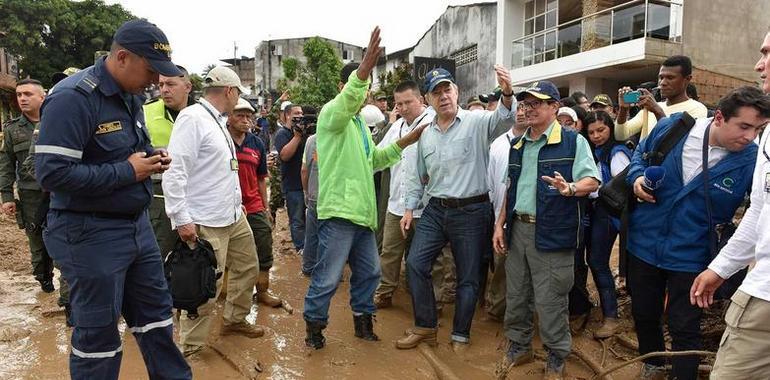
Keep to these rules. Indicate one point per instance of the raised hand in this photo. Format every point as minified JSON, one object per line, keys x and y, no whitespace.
{"x":373,"y":52}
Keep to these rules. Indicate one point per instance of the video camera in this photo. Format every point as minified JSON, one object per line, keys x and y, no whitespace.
{"x":304,"y":125}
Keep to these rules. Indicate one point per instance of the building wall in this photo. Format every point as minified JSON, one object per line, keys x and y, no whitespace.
{"x":458,"y":28}
{"x":723,"y":37}
{"x":268,"y":67}
{"x":713,"y":86}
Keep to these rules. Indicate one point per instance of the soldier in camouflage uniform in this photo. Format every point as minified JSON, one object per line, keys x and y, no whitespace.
{"x":17,"y":139}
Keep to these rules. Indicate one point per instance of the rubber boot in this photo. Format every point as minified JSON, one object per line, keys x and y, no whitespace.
{"x":263,"y":295}
{"x":315,"y":338}
{"x":364,"y":327}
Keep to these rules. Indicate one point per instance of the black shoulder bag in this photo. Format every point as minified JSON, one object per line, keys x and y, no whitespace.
{"x":718,"y":234}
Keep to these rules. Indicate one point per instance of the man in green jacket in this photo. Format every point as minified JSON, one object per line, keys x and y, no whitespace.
{"x":347,"y":210}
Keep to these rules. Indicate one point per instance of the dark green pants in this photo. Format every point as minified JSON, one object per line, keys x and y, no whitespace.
{"x":42,"y":264}
{"x":161,"y":224}
{"x":263,"y":238}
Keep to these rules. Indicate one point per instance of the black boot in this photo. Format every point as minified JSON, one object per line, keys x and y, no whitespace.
{"x":364,"y":327}
{"x":47,"y":285}
{"x":315,"y":338}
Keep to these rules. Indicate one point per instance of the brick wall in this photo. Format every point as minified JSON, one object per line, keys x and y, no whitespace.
{"x":712,"y":86}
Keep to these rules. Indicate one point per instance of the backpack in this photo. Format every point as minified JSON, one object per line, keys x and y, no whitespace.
{"x":191,"y":275}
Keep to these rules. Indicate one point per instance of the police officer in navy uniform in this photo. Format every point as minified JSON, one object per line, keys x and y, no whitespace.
{"x":95,"y":157}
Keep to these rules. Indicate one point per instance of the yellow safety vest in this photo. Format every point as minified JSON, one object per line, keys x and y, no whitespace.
{"x":159,"y":123}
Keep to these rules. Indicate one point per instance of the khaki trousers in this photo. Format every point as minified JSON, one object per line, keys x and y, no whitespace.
{"x":743,"y":351}
{"x":235,"y":249}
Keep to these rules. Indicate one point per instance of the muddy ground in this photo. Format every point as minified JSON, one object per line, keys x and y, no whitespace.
{"x":34,"y":341}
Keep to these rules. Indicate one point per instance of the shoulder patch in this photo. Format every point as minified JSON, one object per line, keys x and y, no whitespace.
{"x":88,"y":83}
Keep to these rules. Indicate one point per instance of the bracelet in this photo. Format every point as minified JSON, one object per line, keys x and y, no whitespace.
{"x":572,"y":189}
{"x":507,"y":95}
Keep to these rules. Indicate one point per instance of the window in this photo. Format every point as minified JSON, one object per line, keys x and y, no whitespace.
{"x":540,"y":20}
{"x":540,"y":15}
{"x":465,"y":55}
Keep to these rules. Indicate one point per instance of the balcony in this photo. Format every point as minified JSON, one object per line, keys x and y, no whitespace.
{"x":657,"y":19}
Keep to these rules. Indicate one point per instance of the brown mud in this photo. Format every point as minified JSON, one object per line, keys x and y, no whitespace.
{"x":34,"y":341}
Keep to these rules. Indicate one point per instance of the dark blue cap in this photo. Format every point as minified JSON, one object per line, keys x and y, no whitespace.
{"x":543,"y":90}
{"x":436,"y":76}
{"x":146,"y":40}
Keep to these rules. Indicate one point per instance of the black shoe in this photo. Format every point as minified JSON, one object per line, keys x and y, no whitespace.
{"x":364,"y":327}
{"x":315,"y":338}
{"x":47,"y":285}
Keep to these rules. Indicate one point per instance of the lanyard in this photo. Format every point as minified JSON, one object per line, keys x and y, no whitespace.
{"x":363,"y":134}
{"x":230,"y":148}
{"x":764,"y":148}
{"x":415,"y":123}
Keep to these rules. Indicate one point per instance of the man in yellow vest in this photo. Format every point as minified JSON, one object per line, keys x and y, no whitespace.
{"x":159,"y":116}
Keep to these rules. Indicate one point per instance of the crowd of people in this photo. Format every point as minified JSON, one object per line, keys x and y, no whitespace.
{"x":502,"y":205}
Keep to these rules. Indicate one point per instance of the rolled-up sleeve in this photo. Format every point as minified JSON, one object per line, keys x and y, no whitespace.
{"x":584,"y":165}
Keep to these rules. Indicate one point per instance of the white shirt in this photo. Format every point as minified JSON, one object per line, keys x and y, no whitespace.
{"x":751,"y":242}
{"x":200,"y":187}
{"x":399,"y":173}
{"x":497,"y":171}
{"x":692,"y":153}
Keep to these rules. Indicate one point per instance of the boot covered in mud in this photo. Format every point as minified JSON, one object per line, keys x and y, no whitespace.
{"x":364,"y":327}
{"x":415,"y":336}
{"x":315,"y":337}
{"x":263,"y":295}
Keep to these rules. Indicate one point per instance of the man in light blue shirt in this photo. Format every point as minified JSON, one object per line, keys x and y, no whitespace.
{"x":452,"y":159}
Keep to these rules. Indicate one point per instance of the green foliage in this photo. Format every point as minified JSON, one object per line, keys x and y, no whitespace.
{"x":388,"y":81}
{"x":51,"y":35}
{"x":290,"y":67}
{"x":197,"y":82}
{"x":207,"y":69}
{"x":316,"y":81}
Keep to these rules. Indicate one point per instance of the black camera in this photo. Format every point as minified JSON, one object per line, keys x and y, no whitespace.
{"x":304,"y":125}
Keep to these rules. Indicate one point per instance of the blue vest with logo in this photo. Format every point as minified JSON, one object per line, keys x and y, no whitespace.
{"x":558,"y":224}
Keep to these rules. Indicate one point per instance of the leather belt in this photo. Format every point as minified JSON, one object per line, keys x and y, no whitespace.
{"x":461,"y":202}
{"x":526,"y":218}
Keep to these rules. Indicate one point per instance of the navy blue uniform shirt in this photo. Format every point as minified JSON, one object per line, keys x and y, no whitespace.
{"x":88,"y":129}
{"x":290,"y":170}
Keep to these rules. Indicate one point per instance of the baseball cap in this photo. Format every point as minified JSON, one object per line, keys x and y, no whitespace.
{"x":543,"y":90}
{"x":244,"y":104}
{"x":372,"y":115}
{"x":380,"y":96}
{"x":147,"y":40}
{"x":285,"y":105}
{"x":474,"y":100}
{"x":602,"y":99}
{"x":222,"y":76}
{"x":436,"y":76}
{"x":569,"y":112}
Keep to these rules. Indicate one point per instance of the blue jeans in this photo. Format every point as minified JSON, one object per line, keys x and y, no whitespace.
{"x":310,"y":253}
{"x":340,"y":242}
{"x":295,"y":208}
{"x":603,"y":234}
{"x":467,"y":230}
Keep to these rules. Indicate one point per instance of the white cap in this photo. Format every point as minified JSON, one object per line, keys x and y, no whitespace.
{"x":372,"y":115}
{"x":285,"y":104}
{"x":244,"y":104}
{"x":222,"y":76}
{"x":569,"y":112}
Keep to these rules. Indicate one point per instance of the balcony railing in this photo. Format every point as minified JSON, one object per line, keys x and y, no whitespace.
{"x":659,"y":19}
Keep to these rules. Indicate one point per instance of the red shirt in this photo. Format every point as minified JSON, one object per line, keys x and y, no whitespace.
{"x":252,"y":166}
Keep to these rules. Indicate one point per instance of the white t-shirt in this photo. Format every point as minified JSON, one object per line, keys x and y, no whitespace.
{"x":497,"y":171}
{"x":200,"y":186}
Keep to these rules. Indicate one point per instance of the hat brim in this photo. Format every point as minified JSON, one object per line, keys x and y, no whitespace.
{"x":541,"y":96}
{"x":243,"y":90}
{"x":602,"y":104}
{"x":165,"y":68}
{"x":250,"y":109}
{"x":440,"y":81}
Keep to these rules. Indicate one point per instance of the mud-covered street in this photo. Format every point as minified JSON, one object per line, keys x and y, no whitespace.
{"x":34,"y":341}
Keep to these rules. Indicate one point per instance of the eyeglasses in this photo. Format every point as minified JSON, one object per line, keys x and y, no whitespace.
{"x":531,"y":104}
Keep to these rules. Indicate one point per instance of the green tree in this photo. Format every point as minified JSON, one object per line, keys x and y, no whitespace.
{"x":317,"y":79}
{"x":388,"y":81}
{"x":51,"y":35}
{"x":207,"y":69}
{"x":197,"y":82}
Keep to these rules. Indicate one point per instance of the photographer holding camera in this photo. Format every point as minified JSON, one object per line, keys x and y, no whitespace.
{"x":290,"y":143}
{"x":674,"y":76}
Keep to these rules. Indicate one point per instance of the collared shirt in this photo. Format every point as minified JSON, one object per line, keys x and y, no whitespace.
{"x":200,"y":187}
{"x":692,"y":153}
{"x":583,"y":166}
{"x":400,"y":171}
{"x":499,"y":152}
{"x":631,"y":127}
{"x":453,"y":163}
{"x":751,"y":241}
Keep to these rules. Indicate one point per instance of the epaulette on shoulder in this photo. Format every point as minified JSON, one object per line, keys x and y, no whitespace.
{"x":88,"y":83}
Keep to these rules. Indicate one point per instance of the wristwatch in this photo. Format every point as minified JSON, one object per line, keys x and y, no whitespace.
{"x":572,"y":189}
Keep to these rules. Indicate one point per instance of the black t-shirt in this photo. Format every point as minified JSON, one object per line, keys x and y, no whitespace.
{"x":290,"y":170}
